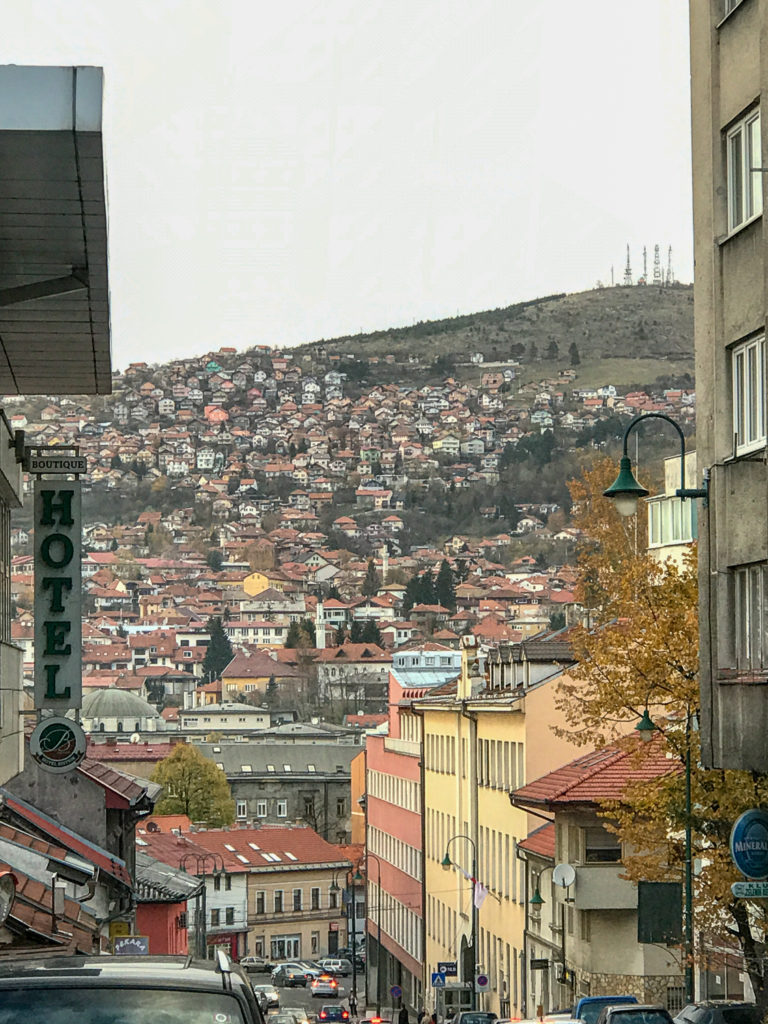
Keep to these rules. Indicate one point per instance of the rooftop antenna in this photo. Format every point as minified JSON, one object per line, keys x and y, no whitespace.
{"x":628,"y":270}
{"x":656,"y":266}
{"x":644,"y":278}
{"x":670,"y":272}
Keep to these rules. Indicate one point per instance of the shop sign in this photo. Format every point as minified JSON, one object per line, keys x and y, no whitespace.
{"x":58,"y":596}
{"x":749,"y":843}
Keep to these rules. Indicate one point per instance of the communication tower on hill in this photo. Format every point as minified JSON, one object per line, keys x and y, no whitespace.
{"x":670,"y":272}
{"x":628,"y":270}
{"x":644,"y":278}
{"x":656,"y":266}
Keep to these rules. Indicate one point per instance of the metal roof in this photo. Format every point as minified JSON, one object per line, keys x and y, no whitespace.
{"x":54,"y":296}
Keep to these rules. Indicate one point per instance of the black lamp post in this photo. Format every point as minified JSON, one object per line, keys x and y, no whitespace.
{"x":447,"y":864}
{"x":645,"y":729}
{"x":625,"y":491}
{"x":372,"y":856}
{"x":201,"y":913}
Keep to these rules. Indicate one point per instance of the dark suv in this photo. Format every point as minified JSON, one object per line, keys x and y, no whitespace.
{"x":719,"y":1011}
{"x":132,"y":990}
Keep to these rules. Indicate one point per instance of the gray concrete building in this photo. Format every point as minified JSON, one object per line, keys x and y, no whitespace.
{"x":280,"y":783}
{"x":729,"y":69}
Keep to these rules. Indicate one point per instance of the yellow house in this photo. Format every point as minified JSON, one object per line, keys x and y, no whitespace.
{"x":483,"y":736}
{"x":249,"y":672}
{"x":257,"y":582}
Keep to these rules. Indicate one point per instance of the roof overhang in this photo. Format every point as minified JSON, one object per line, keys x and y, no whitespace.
{"x":54,"y":297}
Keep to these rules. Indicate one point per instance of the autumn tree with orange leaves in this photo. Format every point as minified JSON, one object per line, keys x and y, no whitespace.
{"x":640,"y":651}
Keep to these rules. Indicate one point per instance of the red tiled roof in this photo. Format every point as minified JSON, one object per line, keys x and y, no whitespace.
{"x":541,"y":841}
{"x":600,"y":775}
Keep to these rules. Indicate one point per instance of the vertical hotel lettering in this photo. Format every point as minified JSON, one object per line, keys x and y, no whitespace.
{"x":58,"y":630}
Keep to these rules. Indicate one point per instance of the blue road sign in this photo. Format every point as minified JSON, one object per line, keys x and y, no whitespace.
{"x":438,"y":979}
{"x":395,"y":991}
{"x":449,"y":968}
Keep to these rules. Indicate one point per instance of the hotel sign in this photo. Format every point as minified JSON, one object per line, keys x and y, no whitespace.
{"x":58,"y":595}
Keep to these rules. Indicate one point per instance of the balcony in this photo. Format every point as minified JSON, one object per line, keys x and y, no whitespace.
{"x":599,"y":887}
{"x":397,"y":746}
{"x":11,"y":729}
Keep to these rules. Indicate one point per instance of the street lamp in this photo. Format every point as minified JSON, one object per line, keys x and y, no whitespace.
{"x":447,"y":864}
{"x":646,"y":729}
{"x":369,"y":856}
{"x":625,"y":491}
{"x":200,"y":860}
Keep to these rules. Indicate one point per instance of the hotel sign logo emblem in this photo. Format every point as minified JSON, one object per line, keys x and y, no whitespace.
{"x":57,"y":744}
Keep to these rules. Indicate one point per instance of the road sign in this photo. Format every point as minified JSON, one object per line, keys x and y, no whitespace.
{"x":482,"y":983}
{"x":438,"y":979}
{"x":449,"y":968}
{"x":57,"y":464}
{"x":396,"y":992}
{"x":541,"y":964}
{"x":750,"y":890}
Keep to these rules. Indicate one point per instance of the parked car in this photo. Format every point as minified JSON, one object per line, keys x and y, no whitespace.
{"x":333,"y":1014}
{"x":90,"y":990}
{"x":638,"y":1014}
{"x":723,"y":1011}
{"x":282,"y":1018}
{"x":336,"y":965}
{"x":325,"y":985}
{"x":588,"y":1007}
{"x":269,"y":992}
{"x":256,"y":964}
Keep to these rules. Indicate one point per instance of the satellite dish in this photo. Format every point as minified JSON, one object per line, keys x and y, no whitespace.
{"x":152,"y":826}
{"x":564,"y":875}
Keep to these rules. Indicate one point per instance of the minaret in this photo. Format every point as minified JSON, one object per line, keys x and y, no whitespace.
{"x":628,"y":270}
{"x":670,"y":272}
{"x":384,"y":563}
{"x":319,"y":625}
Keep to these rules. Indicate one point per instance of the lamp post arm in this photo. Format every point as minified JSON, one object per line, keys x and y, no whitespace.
{"x":683,"y":491}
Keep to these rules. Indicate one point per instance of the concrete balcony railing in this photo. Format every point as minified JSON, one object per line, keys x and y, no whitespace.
{"x":397,"y":746}
{"x":599,"y":887}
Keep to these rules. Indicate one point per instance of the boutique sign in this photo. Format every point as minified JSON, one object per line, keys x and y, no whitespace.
{"x":58,"y":595}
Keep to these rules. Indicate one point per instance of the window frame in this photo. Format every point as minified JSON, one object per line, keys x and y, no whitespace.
{"x":750,"y":600}
{"x":748,"y":395}
{"x":744,"y":193}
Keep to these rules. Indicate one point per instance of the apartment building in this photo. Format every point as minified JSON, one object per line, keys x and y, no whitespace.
{"x":729,"y":74}
{"x":484,"y":735}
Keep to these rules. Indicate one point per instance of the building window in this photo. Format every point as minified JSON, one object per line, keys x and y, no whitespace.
{"x":228,"y":883}
{"x":214,"y":918}
{"x":282,"y":808}
{"x":748,"y":370}
{"x":286,"y":947}
{"x":314,"y":941}
{"x":230,"y":915}
{"x":341,"y":807}
{"x":297,"y":899}
{"x":278,"y":901}
{"x":745,"y":180}
{"x":671,"y":521}
{"x":261,"y":808}
{"x":333,"y":899}
{"x":242,"y":809}
{"x":261,"y":903}
{"x":601,"y":846}
{"x":751,"y":591}
{"x":216,"y":883}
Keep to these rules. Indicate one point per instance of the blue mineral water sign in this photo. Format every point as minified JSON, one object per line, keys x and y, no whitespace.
{"x":749,"y":843}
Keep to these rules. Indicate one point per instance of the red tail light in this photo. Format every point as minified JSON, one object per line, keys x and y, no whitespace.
{"x":322,"y":1015}
{"x":344,"y":1015}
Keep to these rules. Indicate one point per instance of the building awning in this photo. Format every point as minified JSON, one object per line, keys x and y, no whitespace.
{"x":54,"y":297}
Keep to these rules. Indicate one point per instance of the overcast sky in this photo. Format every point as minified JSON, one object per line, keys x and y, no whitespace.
{"x":286,"y":171}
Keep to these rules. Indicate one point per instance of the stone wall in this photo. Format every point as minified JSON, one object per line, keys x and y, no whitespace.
{"x":647,"y":988}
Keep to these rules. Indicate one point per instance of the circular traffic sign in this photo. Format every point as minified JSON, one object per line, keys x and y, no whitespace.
{"x":395,"y":991}
{"x":482,"y":982}
{"x":749,"y":843}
